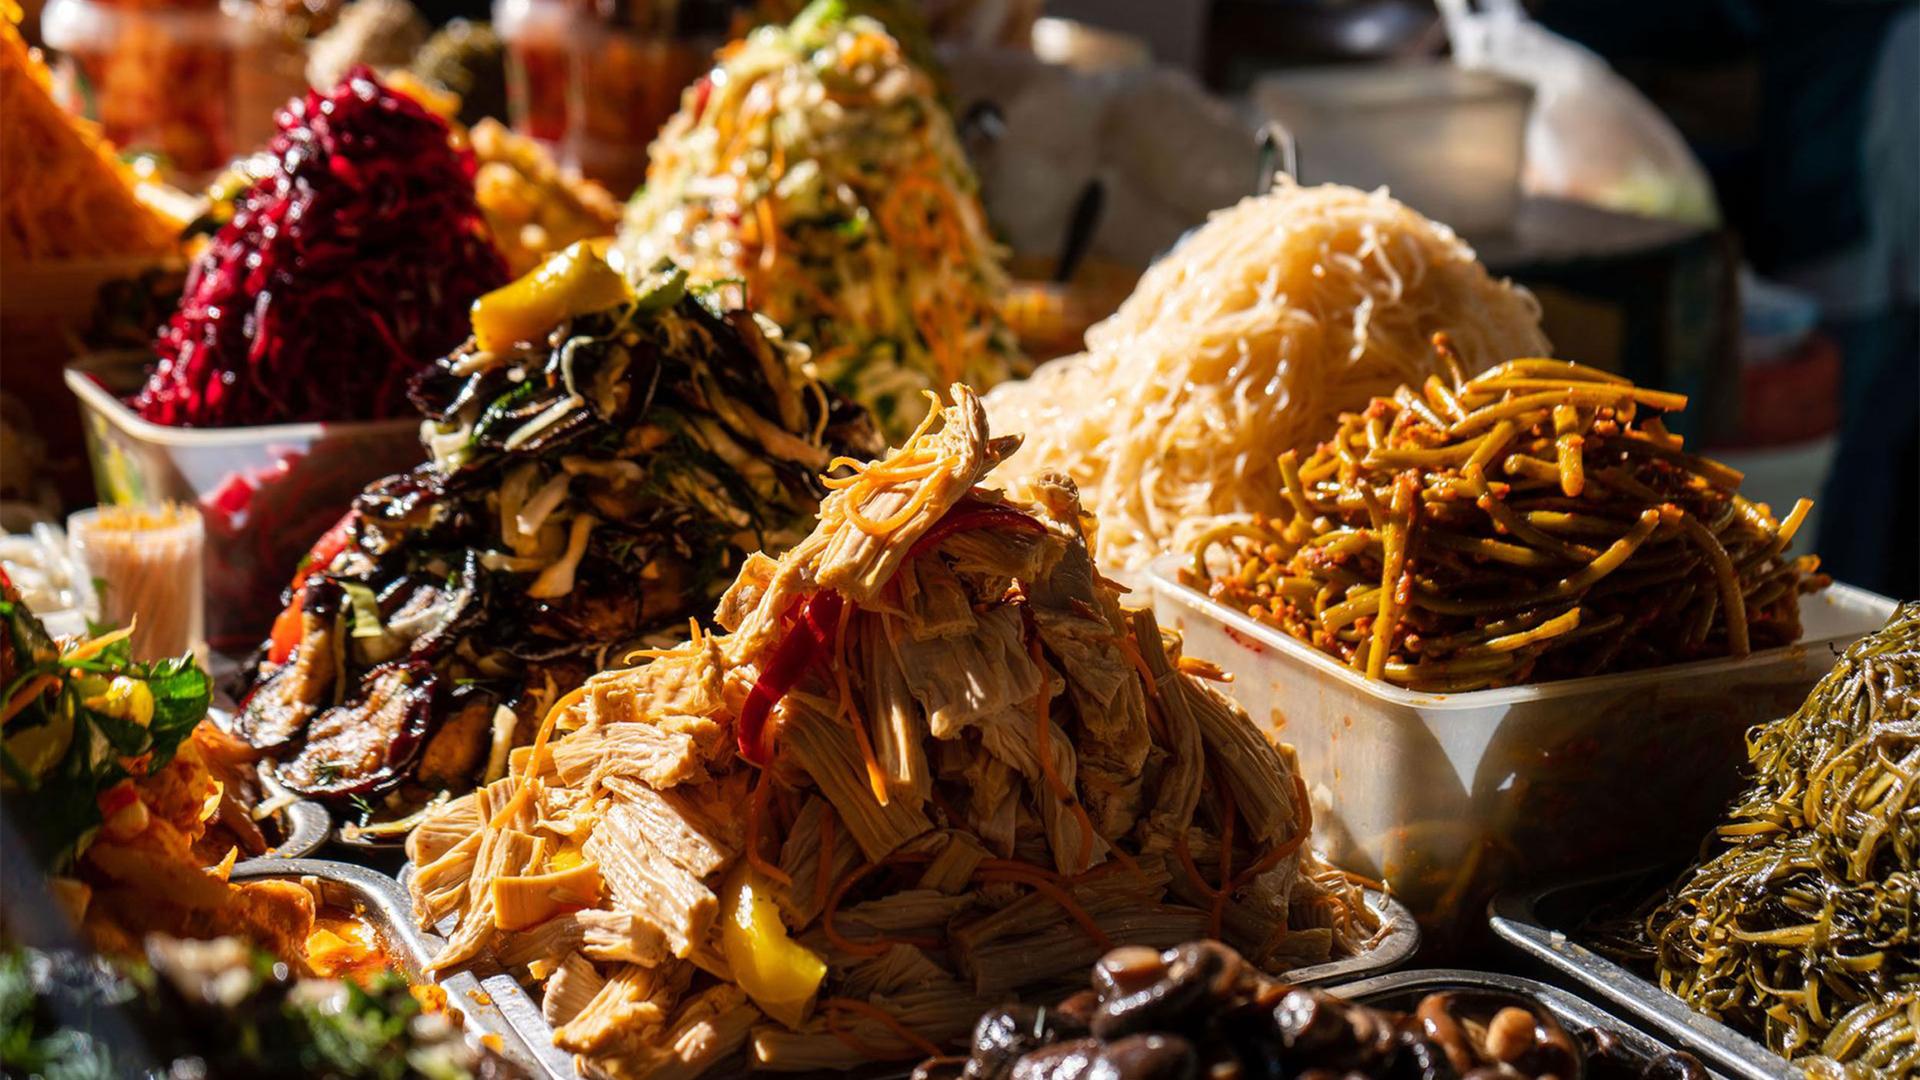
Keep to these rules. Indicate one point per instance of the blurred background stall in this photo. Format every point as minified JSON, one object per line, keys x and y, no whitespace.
{"x":1713,"y":196}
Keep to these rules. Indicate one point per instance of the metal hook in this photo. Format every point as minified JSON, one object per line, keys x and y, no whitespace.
{"x":1279,"y":156}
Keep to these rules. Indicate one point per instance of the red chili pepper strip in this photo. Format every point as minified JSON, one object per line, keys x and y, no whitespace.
{"x":286,"y":625}
{"x":702,"y":93}
{"x":807,"y":642}
{"x":326,"y":549}
{"x":286,"y":632}
{"x":970,"y":514}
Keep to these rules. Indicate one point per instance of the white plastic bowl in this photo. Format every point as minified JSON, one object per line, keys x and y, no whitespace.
{"x":1449,"y":797}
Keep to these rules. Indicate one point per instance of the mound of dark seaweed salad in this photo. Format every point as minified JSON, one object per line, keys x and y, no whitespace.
{"x":1803,"y":926}
{"x":602,"y":459}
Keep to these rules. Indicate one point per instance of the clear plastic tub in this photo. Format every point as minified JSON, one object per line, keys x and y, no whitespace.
{"x":1451,"y":797}
{"x":265,"y":493}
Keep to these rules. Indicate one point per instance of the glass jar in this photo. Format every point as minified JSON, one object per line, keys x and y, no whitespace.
{"x":595,"y":79}
{"x":179,"y":79}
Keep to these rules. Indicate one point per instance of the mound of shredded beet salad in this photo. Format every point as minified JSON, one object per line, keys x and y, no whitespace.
{"x":344,"y":270}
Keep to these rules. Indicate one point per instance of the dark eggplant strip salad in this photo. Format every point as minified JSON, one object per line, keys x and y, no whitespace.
{"x":602,"y":460}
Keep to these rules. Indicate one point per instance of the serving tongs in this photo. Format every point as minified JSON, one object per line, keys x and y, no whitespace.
{"x":1521,"y":921}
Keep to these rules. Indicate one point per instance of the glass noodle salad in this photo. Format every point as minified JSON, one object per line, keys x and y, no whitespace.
{"x":815,"y":171}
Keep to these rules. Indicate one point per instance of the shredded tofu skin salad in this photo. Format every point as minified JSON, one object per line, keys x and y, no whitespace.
{"x":816,"y":170}
{"x":965,"y":770}
{"x":1249,"y":340}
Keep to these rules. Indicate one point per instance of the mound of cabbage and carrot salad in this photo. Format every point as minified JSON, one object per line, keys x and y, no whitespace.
{"x":816,"y":170}
{"x":966,"y":773}
{"x":124,"y":797}
{"x":602,"y":460}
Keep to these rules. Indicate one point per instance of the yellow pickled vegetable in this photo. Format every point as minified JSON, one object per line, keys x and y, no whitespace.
{"x":778,"y":973}
{"x":125,"y":699}
{"x":574,"y":282}
{"x":523,"y":901}
{"x":39,"y":748}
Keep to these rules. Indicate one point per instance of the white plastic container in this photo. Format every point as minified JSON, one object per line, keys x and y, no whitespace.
{"x":265,"y":493}
{"x":1450,"y":797}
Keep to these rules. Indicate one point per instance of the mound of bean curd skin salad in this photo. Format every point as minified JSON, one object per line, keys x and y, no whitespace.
{"x":1535,"y":522}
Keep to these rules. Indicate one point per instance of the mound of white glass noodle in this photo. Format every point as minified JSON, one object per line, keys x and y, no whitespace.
{"x":1250,"y":339}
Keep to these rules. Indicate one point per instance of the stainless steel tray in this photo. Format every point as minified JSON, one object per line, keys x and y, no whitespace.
{"x":305,"y":825}
{"x":1516,"y":919}
{"x":1394,"y":948}
{"x":494,"y":1007}
{"x":1400,"y":989}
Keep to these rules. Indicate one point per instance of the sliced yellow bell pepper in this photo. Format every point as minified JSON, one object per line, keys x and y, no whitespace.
{"x":573,"y":282}
{"x":778,"y":973}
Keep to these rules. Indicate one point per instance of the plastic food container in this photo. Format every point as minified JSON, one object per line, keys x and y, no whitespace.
{"x":264,"y":493}
{"x":1448,"y":142}
{"x":42,"y":567}
{"x":45,"y":307}
{"x":1451,"y":797}
{"x":485,"y":1005}
{"x":1537,"y":924}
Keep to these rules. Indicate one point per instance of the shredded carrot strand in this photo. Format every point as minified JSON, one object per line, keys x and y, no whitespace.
{"x":883,"y":471}
{"x":90,"y":649}
{"x":822,"y":881}
{"x":1219,"y":915}
{"x":922,"y":1046}
{"x":756,"y":815}
{"x":876,"y":777}
{"x":25,"y":695}
{"x":1361,"y":880}
{"x":525,"y":788}
{"x":1181,"y":851}
{"x":1043,"y":746}
{"x":917,"y":503}
{"x":851,"y":1041}
{"x":1132,"y":651}
{"x":1202,"y":669}
{"x":769,"y":233}
{"x":1047,"y":884}
{"x":839,"y":941}
{"x":844,"y":944}
{"x":1286,"y":847}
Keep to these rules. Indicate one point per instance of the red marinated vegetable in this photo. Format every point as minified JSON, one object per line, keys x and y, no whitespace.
{"x":345,"y":269}
{"x":971,"y":514}
{"x":286,"y":626}
{"x":808,"y":640}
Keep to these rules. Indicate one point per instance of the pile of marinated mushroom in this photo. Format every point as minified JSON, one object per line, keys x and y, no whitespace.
{"x":1199,"y":1010}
